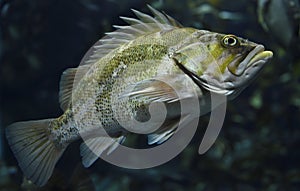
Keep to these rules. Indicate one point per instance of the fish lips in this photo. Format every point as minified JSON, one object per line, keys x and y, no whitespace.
{"x":248,"y":65}
{"x":248,"y":70}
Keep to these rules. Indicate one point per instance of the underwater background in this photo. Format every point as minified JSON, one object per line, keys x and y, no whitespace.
{"x":259,"y":145}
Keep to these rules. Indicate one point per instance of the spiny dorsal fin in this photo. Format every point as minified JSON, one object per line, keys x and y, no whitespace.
{"x":145,"y":24}
{"x":69,"y":79}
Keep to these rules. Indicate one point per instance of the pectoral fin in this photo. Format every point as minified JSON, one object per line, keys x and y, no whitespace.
{"x":167,"y":131}
{"x":168,"y":88}
{"x":159,"y":138}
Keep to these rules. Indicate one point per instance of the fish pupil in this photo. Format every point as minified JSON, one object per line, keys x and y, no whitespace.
{"x":229,"y":41}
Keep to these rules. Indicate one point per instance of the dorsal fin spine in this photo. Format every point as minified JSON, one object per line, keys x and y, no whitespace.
{"x":144,"y":17}
{"x":145,"y":24}
{"x":128,"y":28}
{"x":159,"y":16}
{"x":133,"y":21}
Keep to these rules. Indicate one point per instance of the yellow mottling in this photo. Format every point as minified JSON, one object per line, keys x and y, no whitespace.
{"x":225,"y":63}
{"x":216,"y":50}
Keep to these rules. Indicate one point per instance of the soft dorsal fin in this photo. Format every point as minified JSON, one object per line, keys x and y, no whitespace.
{"x":69,"y":79}
{"x":145,"y":24}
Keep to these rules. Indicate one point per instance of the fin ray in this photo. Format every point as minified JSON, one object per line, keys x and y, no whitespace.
{"x":34,"y":151}
{"x":91,"y":149}
{"x":70,"y":79}
{"x":159,"y":138}
{"x":145,"y":24}
{"x":166,"y":132}
{"x":164,"y":88}
{"x":151,"y":90}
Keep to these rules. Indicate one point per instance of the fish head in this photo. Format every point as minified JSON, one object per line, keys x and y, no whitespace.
{"x":227,"y":63}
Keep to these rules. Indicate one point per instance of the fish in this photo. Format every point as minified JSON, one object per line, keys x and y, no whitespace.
{"x":274,"y":15}
{"x":153,"y":59}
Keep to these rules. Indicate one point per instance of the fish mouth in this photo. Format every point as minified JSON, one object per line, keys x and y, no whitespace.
{"x":256,"y":57}
{"x":261,"y":55}
{"x":251,"y":65}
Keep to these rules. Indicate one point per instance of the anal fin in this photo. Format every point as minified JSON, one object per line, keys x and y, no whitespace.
{"x":91,"y":149}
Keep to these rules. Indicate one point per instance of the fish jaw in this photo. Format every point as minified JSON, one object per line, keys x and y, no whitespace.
{"x":233,"y":80}
{"x":259,"y":59}
{"x":251,"y":66}
{"x":255,"y":59}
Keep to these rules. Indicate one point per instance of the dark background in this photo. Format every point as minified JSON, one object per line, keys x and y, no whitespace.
{"x":258,"y":147}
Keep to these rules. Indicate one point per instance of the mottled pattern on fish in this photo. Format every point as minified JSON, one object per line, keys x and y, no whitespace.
{"x":141,"y":61}
{"x":125,"y":72}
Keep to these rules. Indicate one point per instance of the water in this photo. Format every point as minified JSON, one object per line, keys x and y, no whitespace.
{"x":258,"y":145}
{"x":1,"y":139}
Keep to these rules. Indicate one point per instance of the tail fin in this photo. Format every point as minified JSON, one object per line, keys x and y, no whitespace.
{"x":36,"y":154}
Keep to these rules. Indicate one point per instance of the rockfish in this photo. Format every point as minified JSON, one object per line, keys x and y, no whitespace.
{"x":150,"y":60}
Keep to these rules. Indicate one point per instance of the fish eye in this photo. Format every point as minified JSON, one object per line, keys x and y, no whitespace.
{"x":230,"y":41}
